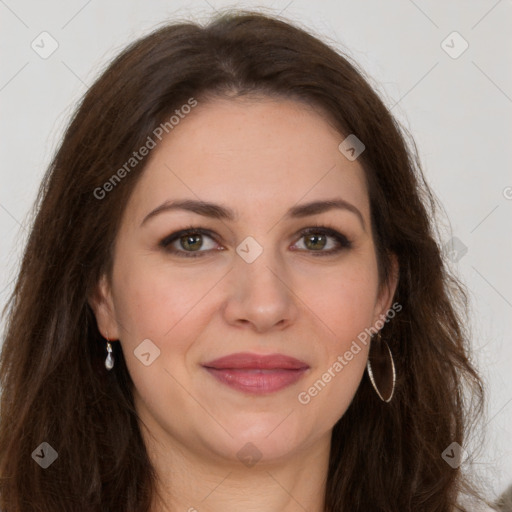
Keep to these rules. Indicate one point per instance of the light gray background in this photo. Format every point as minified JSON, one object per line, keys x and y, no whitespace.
{"x":458,"y":109}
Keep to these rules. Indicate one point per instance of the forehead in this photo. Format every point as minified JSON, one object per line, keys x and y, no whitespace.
{"x":260,"y":156}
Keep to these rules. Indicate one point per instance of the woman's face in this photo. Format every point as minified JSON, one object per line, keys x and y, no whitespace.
{"x":250,"y":282}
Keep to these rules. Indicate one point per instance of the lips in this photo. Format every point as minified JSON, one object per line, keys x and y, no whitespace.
{"x":257,"y":374}
{"x":245,"y":360}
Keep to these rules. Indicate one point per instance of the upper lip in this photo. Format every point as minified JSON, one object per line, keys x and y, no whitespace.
{"x":246,"y":360}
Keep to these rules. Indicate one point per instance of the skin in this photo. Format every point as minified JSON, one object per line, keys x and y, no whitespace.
{"x":259,"y":157}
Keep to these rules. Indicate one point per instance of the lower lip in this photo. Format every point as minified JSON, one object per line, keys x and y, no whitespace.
{"x":257,"y":382}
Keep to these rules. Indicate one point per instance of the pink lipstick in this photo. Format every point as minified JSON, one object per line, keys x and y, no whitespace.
{"x":256,"y":373}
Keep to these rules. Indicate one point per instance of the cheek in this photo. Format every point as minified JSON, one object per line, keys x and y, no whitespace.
{"x":153,"y":303}
{"x":166,"y":306}
{"x":345,"y":298}
{"x":153,"y":300}
{"x":345,"y":304}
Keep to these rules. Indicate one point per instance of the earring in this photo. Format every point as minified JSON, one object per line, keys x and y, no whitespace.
{"x":109,"y":361}
{"x":382,"y":372}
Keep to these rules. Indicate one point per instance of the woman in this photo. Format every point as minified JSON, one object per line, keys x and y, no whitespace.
{"x":232,"y":297}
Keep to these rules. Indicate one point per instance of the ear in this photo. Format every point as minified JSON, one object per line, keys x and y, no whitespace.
{"x":387,"y":290}
{"x":102,"y":304}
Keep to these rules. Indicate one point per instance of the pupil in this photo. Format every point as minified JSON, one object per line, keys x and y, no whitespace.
{"x":189,"y":241}
{"x":315,"y":238}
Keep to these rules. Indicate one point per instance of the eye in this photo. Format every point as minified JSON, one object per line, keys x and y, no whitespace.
{"x":317,"y":238}
{"x":187,"y":242}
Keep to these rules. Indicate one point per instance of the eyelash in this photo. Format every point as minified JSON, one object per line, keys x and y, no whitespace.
{"x":343,"y":242}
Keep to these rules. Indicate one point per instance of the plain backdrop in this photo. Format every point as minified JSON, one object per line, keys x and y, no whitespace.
{"x":444,"y":69}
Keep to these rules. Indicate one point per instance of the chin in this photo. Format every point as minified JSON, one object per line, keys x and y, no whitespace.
{"x":264,"y":441}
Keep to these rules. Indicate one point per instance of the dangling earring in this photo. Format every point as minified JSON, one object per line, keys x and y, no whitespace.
{"x":383,"y":371}
{"x":109,"y":361}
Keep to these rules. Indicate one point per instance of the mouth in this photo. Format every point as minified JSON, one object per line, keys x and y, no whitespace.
{"x":257,"y":374}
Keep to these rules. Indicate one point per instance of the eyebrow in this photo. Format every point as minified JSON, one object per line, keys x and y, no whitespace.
{"x":217,"y":211}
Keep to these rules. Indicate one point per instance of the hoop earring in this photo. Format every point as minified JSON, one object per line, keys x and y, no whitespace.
{"x":385,"y":374}
{"x":109,"y":361}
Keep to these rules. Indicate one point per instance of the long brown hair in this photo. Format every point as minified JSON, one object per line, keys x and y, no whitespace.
{"x":384,"y":457}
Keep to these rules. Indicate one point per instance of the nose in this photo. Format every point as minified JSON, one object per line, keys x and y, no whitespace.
{"x":261,"y":295}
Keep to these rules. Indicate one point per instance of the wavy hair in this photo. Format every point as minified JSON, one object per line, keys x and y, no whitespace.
{"x":384,"y":457}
